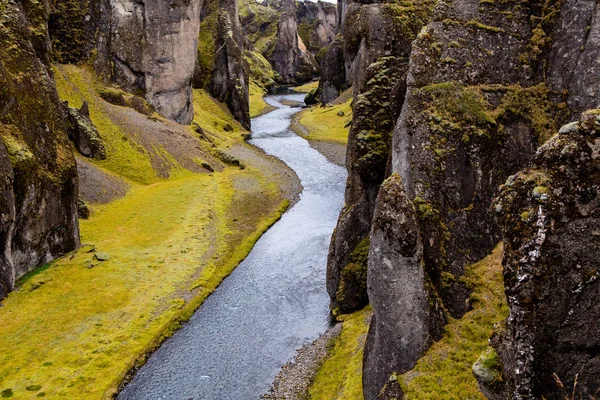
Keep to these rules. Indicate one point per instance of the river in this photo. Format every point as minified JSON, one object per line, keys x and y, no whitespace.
{"x":274,"y":302}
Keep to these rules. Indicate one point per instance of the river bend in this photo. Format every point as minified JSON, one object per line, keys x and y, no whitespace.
{"x":274,"y":302}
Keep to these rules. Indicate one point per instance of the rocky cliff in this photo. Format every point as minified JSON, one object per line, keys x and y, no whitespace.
{"x":550,"y":218}
{"x":317,"y":25}
{"x":147,"y":47}
{"x":229,"y":82}
{"x":376,"y":45}
{"x":38,"y":177}
{"x":487,"y":84}
{"x":290,"y":57}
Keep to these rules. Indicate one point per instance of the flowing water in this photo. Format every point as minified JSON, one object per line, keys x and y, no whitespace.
{"x":274,"y":302}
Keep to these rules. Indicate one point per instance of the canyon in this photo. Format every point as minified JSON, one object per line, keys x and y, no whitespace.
{"x":147,"y":147}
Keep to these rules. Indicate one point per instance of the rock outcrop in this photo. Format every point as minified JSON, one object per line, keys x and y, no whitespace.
{"x":84,"y":134}
{"x":290,"y":57}
{"x":151,"y":48}
{"x":147,"y":47}
{"x":220,"y":65}
{"x":333,"y":74}
{"x":38,"y":176}
{"x":369,"y":142}
{"x":407,"y":313}
{"x":379,"y":95}
{"x":550,"y":218}
{"x":487,"y":84}
{"x":229,"y":83}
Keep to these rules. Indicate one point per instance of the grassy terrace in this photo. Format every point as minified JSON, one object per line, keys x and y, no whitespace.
{"x":444,"y":372}
{"x":328,"y":123}
{"x":74,"y":328}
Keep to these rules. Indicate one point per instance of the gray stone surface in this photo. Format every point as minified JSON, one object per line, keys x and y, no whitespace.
{"x":229,"y":82}
{"x":403,"y":324}
{"x":84,"y":134}
{"x":293,"y":64}
{"x":149,"y":47}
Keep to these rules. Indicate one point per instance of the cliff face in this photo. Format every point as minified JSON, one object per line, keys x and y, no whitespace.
{"x":38,"y":177}
{"x":290,"y":57}
{"x":317,"y":24}
{"x":487,"y":84}
{"x":376,"y":44}
{"x":550,"y":215}
{"x":151,"y":49}
{"x":229,"y":82}
{"x":147,"y":47}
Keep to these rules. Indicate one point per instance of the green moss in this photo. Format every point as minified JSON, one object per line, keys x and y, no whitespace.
{"x":19,"y":153}
{"x":444,"y":372}
{"x":205,"y":57}
{"x":258,"y":105}
{"x":340,"y":375}
{"x":323,"y":123}
{"x":425,"y":209}
{"x":260,"y":24}
{"x":167,"y":242}
{"x":479,"y":25}
{"x":491,"y":360}
{"x":541,"y":34}
{"x":67,"y":26}
{"x":353,"y":277}
{"x":532,"y":104}
{"x":307,"y":87}
{"x":261,"y":71}
{"x":125,"y":157}
{"x":214,"y":117}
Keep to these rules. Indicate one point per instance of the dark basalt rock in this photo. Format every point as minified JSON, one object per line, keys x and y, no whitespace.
{"x":333,"y":74}
{"x":369,"y":142}
{"x":550,"y":218}
{"x":407,"y":313}
{"x":484,"y":90}
{"x":38,"y":176}
{"x":229,"y":82}
{"x":84,"y":134}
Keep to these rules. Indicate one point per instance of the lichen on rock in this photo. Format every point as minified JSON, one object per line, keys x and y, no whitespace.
{"x":549,"y":216}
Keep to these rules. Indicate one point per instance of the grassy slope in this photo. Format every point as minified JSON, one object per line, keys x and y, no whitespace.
{"x":445,"y":370}
{"x":124,"y":156}
{"x":324,"y":123}
{"x":73,"y":332}
{"x":261,"y":77}
{"x":258,"y":105}
{"x":307,"y":87}
{"x":339,"y":377}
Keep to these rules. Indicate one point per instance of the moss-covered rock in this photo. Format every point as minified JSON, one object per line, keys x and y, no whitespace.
{"x":84,"y":134}
{"x":290,"y":59}
{"x":38,"y":177}
{"x":475,"y":112}
{"x":550,"y":216}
